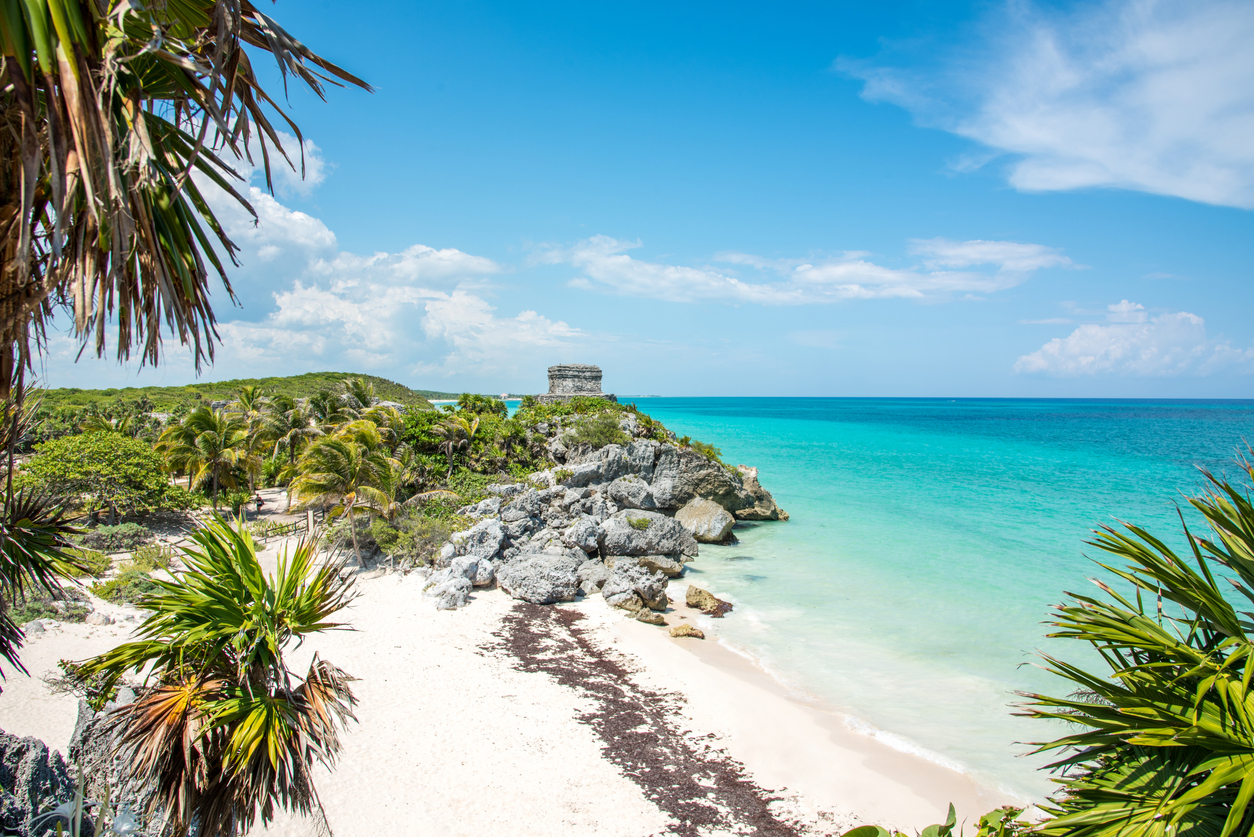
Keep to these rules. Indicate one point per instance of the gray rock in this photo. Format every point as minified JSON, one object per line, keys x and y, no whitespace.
{"x":637,"y":532}
{"x":485,"y":573}
{"x":516,"y":530}
{"x":524,"y":505}
{"x":573,"y":496}
{"x":706,"y":520}
{"x":592,"y":576}
{"x":488,"y":506}
{"x":672,"y":566}
{"x":32,"y":780}
{"x":98,"y":618}
{"x":584,"y":533}
{"x":631,"y":587}
{"x":758,"y":503}
{"x":557,"y":450}
{"x":483,"y":540}
{"x":631,"y":492}
{"x":449,"y":593}
{"x":125,"y":696}
{"x":34,"y":626}
{"x":681,"y":474}
{"x":466,"y":566}
{"x":641,"y":455}
{"x":445,"y":555}
{"x":543,"y":577}
{"x":506,"y":489}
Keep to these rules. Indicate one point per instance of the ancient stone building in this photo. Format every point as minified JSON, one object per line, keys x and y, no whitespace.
{"x":570,"y":380}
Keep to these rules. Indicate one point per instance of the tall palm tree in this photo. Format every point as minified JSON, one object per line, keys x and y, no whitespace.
{"x":250,"y":406}
{"x":329,"y":410}
{"x":456,"y":434}
{"x":351,"y":469}
{"x":291,"y":425}
{"x":357,"y":395}
{"x":229,"y":731}
{"x":108,"y":108}
{"x":210,"y":445}
{"x":1163,"y":743}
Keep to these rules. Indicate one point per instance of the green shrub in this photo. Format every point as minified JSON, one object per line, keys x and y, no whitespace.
{"x":62,"y":608}
{"x":151,"y":557}
{"x":640,"y":523}
{"x":94,"y":564}
{"x":598,"y":431}
{"x":562,"y":474}
{"x":125,"y":537}
{"x":412,"y":538}
{"x":235,"y":499}
{"x":129,"y":587}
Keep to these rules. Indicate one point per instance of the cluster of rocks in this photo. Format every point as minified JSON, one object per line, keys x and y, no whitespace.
{"x":33,"y":781}
{"x":619,"y":521}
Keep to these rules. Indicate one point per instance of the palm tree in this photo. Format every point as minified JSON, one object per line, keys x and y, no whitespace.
{"x":457,"y":433}
{"x":250,"y":407}
{"x":357,"y":395}
{"x":210,"y":445}
{"x":329,"y":410}
{"x":108,"y":109}
{"x":1164,"y":742}
{"x":352,"y":469}
{"x":290,"y":423}
{"x":228,"y":731}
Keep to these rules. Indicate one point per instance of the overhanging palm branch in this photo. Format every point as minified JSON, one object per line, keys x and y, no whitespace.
{"x":1164,"y":742}
{"x":107,"y":110}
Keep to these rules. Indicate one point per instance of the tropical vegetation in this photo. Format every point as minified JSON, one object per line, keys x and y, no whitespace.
{"x":227,"y":732}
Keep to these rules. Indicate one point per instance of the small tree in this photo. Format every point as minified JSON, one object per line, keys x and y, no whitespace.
{"x":104,"y":468}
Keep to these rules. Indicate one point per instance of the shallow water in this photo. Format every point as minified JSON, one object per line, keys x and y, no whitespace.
{"x":929,"y":538}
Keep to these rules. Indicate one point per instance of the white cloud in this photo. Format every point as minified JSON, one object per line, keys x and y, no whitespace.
{"x":1134,"y":344}
{"x":604,"y":263}
{"x":1151,"y":95}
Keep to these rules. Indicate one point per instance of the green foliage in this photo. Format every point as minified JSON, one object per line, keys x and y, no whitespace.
{"x":638,"y":523}
{"x":131,"y":586}
{"x":165,"y":399}
{"x":562,"y":474}
{"x":100,"y":468}
{"x":1001,"y":822}
{"x":413,"y":538}
{"x":125,"y":537}
{"x":481,"y":404}
{"x":73,"y":680}
{"x":94,"y":564}
{"x":47,"y":606}
{"x":151,"y":557}
{"x":223,"y":696}
{"x":236,"y":499}
{"x":534,"y":412}
{"x":597,"y":431}
{"x":1162,"y":743}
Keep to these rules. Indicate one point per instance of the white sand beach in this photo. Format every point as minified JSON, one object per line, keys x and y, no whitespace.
{"x":508,"y":718}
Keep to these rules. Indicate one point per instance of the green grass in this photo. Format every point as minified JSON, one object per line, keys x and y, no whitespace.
{"x":297,"y":386}
{"x":128,"y":588}
{"x":41,"y":607}
{"x":95,"y":564}
{"x":639,"y":523}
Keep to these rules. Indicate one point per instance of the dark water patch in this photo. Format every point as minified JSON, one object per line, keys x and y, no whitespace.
{"x":740,"y":558}
{"x":700,"y":787}
{"x":752,"y":578}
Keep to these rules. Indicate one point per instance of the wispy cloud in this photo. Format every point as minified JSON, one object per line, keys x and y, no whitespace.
{"x":604,"y":264}
{"x":1151,"y":95}
{"x":1133,"y":343}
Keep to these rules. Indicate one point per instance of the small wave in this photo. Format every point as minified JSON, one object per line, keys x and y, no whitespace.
{"x":902,"y":744}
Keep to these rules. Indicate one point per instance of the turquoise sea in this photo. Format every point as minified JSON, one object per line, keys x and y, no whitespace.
{"x":929,"y":538}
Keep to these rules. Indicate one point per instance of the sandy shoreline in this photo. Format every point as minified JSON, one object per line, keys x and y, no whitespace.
{"x":508,"y":718}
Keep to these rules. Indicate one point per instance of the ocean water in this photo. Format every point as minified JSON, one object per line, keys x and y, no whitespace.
{"x":928,"y":539}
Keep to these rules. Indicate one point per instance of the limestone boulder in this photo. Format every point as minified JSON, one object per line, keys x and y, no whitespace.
{"x":641,"y":455}
{"x":488,"y":506}
{"x":638,"y":532}
{"x":706,"y":520}
{"x":632,"y":587}
{"x":680,"y":474}
{"x":667,"y":565}
{"x":687,"y":630}
{"x":707,"y":602}
{"x":758,"y":504}
{"x":543,"y":577}
{"x":32,"y":780}
{"x":483,"y":540}
{"x":592,"y":575}
{"x":631,"y":492}
{"x":448,"y":592}
{"x":506,"y":490}
{"x":583,"y":533}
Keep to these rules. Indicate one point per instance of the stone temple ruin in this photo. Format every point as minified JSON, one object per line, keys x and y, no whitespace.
{"x":574,"y":380}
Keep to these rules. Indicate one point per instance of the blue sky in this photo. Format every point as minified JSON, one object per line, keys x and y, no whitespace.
{"x":910,"y":199}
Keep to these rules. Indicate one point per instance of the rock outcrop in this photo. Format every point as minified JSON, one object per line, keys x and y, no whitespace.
{"x":706,"y":520}
{"x":687,"y":630}
{"x":620,"y":520}
{"x":707,"y":602}
{"x":32,"y":782}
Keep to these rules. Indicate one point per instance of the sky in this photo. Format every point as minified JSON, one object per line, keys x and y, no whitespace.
{"x":1019,"y":199}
